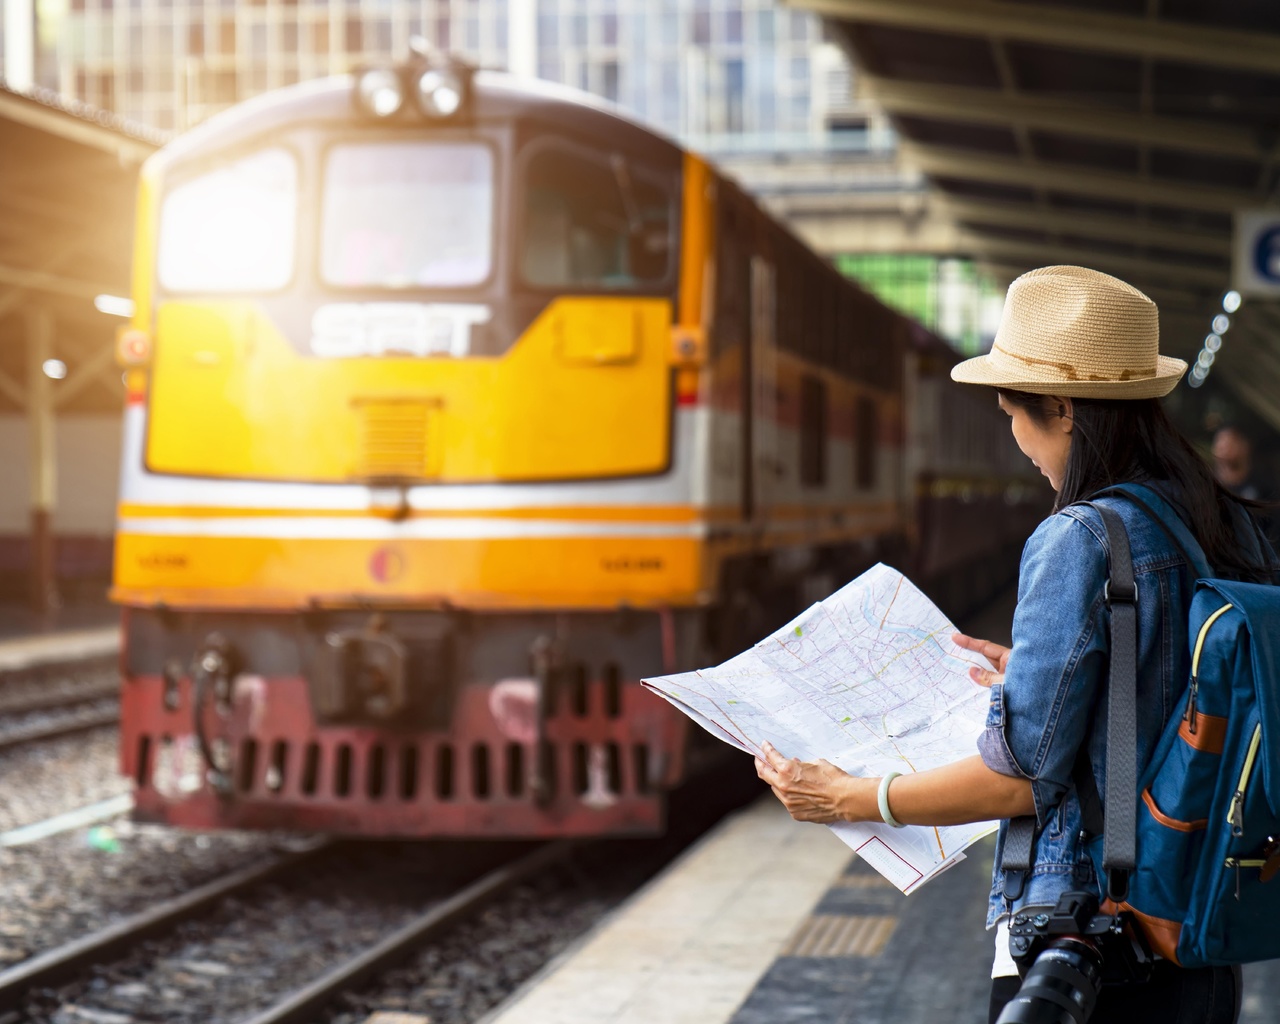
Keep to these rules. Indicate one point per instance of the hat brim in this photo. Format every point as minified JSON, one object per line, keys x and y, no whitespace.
{"x":982,"y":370}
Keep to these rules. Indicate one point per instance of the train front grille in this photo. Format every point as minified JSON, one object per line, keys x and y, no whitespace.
{"x":395,"y":439}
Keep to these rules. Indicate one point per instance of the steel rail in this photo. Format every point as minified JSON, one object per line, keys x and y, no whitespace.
{"x":60,"y":698}
{"x":67,"y":726}
{"x":52,"y":966}
{"x":301,"y":1006}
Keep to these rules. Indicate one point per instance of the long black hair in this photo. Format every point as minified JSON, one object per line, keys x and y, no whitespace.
{"x":1134,"y":441}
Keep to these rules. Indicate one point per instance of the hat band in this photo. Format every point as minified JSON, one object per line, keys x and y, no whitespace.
{"x":1068,"y":371}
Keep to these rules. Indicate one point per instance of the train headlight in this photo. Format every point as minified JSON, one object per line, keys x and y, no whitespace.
{"x":133,"y":348}
{"x":380,"y":92}
{"x":440,"y":92}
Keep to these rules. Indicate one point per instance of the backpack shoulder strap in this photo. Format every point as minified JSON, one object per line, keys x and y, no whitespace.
{"x":1119,"y":844}
{"x":1119,"y":837}
{"x":1172,"y":523}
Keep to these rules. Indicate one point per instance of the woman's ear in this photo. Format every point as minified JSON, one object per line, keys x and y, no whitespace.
{"x":1062,"y":407}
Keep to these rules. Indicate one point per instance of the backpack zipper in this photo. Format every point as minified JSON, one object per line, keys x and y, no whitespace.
{"x":1190,"y":716}
{"x":1235,"y":812}
{"x":1242,"y":862}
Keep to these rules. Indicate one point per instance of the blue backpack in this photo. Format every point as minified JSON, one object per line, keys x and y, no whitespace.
{"x":1195,"y":857}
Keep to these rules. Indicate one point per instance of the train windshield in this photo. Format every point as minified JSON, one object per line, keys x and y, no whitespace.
{"x":407,"y":214}
{"x":594,"y":221}
{"x":232,"y":228}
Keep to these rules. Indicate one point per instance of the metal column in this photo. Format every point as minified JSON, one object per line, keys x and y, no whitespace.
{"x":40,"y":432}
{"x":20,"y":44}
{"x":522,"y":38}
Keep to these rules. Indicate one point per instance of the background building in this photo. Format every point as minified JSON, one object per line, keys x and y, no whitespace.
{"x":693,"y":67}
{"x":754,"y":85}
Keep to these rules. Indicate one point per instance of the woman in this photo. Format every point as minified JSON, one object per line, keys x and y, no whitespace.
{"x":1076,"y":367}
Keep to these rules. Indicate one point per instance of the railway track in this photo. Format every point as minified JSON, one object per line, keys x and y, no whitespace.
{"x":315,"y":935}
{"x":85,"y":957}
{"x":56,"y":965}
{"x":45,"y":701}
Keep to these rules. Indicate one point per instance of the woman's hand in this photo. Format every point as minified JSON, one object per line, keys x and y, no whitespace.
{"x":996,"y":655}
{"x":954,"y":794}
{"x":814,"y":791}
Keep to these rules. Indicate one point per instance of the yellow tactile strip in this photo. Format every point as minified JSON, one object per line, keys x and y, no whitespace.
{"x":840,"y":935}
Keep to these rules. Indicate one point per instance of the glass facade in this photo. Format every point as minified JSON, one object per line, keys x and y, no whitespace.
{"x":694,"y":68}
{"x":949,"y":296}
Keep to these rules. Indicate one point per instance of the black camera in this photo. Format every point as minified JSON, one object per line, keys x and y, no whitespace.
{"x":1065,"y":957}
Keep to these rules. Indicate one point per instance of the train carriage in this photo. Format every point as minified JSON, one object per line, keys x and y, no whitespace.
{"x":457,"y":404}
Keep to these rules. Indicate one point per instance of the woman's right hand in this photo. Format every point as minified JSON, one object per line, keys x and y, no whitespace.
{"x":997,"y":656}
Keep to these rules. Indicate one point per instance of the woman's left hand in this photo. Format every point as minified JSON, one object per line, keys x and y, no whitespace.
{"x":814,"y":791}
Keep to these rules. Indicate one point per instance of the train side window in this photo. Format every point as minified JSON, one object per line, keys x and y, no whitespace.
{"x":813,"y":431}
{"x":864,"y":444}
{"x":594,"y":221}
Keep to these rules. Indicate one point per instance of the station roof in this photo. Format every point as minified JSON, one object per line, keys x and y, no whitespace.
{"x":67,"y":186}
{"x":1115,"y":134}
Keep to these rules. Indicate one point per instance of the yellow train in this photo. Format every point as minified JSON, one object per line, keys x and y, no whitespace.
{"x":456,"y":404}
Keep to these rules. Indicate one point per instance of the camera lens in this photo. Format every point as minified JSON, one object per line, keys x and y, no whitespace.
{"x":1061,"y":987}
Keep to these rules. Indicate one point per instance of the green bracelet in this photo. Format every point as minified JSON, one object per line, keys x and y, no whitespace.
{"x":882,"y":797}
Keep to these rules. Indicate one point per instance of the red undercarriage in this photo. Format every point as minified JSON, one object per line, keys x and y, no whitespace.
{"x":603,"y":768}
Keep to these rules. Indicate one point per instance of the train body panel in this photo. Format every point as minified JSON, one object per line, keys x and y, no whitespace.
{"x":402,"y":527}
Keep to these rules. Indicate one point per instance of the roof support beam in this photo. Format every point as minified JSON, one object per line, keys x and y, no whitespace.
{"x":1069,"y":27}
{"x":1031,"y":254}
{"x":1035,"y":113}
{"x":103,"y":359}
{"x":1083,"y":225}
{"x":939,"y":161}
{"x":35,"y":280}
{"x":12,"y":390}
{"x":128,"y":151}
{"x":15,"y":295}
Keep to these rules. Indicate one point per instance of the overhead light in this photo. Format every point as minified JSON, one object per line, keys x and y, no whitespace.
{"x":1231,"y":301}
{"x":54,"y":368}
{"x":440,"y":92}
{"x":380,"y":92}
{"x":1220,"y":323}
{"x":113,"y":305}
{"x":1206,"y":359}
{"x":1195,"y":381}
{"x":1213,"y":342}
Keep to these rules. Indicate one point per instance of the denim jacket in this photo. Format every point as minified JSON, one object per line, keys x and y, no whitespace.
{"x":1053,"y":697}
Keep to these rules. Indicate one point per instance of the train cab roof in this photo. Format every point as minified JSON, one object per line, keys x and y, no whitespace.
{"x":493,"y":97}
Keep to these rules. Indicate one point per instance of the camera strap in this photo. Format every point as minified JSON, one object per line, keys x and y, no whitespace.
{"x":1015,"y":860}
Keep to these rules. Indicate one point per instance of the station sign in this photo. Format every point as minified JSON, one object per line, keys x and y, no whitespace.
{"x":1256,"y":253}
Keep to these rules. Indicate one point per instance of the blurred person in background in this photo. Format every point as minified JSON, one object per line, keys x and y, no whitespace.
{"x":1233,"y":466}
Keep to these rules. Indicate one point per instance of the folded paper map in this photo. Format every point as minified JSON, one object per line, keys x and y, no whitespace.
{"x":868,"y":679}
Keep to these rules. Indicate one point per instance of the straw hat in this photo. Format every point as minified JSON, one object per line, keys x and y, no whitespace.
{"x":1078,"y":333}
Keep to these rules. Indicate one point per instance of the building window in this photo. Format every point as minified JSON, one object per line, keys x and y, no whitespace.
{"x":813,"y":432}
{"x":864,"y":444}
{"x":734,"y":87}
{"x":701,"y":28}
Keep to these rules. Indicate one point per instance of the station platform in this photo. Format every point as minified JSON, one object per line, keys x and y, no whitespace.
{"x":18,"y":653}
{"x":767,"y":921}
